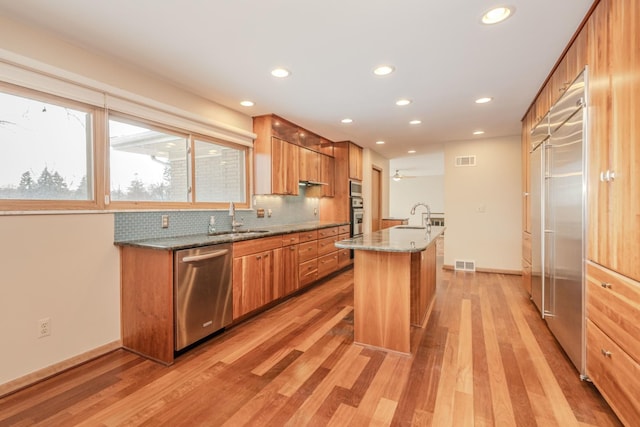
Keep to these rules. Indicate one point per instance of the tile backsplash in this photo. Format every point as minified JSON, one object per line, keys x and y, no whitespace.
{"x":147,"y":225}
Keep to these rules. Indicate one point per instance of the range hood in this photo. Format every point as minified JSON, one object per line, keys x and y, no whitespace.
{"x":311,"y":183}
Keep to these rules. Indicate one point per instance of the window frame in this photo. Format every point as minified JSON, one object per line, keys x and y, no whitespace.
{"x":96,"y":156}
{"x":100,"y":162}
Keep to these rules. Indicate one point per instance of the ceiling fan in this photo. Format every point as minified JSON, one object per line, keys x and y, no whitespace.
{"x":398,"y":176}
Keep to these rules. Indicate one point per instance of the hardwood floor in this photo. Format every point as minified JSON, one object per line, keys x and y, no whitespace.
{"x":484,"y":358}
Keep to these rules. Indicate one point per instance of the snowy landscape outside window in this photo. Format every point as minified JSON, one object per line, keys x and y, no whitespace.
{"x":45,"y":150}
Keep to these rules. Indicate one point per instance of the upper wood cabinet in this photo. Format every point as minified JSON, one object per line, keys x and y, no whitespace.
{"x":285,"y":154}
{"x":337,"y":208}
{"x":327,"y":175}
{"x":276,"y":167}
{"x":614,"y":121}
{"x":572,"y":63}
{"x":309,"y":162}
{"x":355,"y":162}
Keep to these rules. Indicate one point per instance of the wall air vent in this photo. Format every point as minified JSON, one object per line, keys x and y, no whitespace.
{"x":465,"y":161}
{"x":462,"y":265}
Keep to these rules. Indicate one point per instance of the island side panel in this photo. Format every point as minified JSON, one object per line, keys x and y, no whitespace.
{"x":423,"y":284}
{"x":382,"y":299}
{"x":147,"y":302}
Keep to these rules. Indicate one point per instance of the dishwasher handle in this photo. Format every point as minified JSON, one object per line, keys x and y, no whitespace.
{"x":210,"y":255}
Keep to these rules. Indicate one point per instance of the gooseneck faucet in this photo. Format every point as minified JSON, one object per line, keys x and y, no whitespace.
{"x":427,"y":221}
{"x":232,"y":214}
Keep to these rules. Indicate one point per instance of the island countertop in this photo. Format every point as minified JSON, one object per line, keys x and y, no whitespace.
{"x":400,"y":238}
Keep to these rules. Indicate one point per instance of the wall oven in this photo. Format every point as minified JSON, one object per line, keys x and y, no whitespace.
{"x":357,"y":216}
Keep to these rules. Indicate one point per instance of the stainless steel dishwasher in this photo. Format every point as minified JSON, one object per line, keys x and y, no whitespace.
{"x":203,"y":300}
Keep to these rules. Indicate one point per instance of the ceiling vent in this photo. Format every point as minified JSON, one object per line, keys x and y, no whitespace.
{"x":461,"y":265}
{"x":465,"y":161}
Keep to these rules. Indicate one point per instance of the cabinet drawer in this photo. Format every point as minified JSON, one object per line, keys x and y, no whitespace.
{"x":343,"y":236}
{"x":327,"y":264}
{"x":307,"y":236}
{"x":615,"y":374}
{"x":308,"y":272}
{"x":526,"y":246}
{"x":344,"y":229}
{"x":253,"y":246}
{"x":613,"y":303}
{"x":307,"y":251}
{"x":344,"y":258}
{"x":290,"y":239}
{"x":327,"y":245}
{"x":327,"y":232}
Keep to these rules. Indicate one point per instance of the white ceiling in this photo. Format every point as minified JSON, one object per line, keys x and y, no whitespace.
{"x":444,"y":58}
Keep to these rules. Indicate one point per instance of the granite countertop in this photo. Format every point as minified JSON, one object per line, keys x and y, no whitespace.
{"x":400,"y":238}
{"x":391,"y":218}
{"x":196,"y":240}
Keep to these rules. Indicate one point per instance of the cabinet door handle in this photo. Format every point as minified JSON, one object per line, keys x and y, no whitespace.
{"x":258,"y":256}
{"x":606,"y":285}
{"x":607,"y":176}
{"x":605,"y":353}
{"x":292,"y":248}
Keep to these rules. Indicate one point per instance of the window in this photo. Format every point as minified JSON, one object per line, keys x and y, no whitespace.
{"x":45,"y":148}
{"x":147,"y":164}
{"x":57,"y":153}
{"x":220,"y":173}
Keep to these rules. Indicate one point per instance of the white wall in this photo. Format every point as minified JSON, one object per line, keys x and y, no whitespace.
{"x":407,"y":192}
{"x":483,"y":204}
{"x":64,"y":267}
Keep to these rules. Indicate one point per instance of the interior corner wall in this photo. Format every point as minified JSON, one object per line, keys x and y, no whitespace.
{"x":483,"y":204}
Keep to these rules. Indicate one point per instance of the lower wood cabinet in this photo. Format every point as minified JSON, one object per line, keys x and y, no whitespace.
{"x":613,"y":339}
{"x":271,"y":268}
{"x":614,"y":373}
{"x":253,"y":274}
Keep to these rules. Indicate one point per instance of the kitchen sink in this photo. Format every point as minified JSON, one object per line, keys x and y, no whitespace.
{"x":409,"y":227}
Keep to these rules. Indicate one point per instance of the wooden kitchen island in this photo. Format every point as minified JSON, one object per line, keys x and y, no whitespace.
{"x":394,"y":284}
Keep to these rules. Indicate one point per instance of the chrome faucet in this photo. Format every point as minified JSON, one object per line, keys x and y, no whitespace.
{"x":232,"y":214}
{"x":427,"y":220}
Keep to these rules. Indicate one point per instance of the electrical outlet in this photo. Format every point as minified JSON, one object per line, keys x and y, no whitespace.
{"x":269,"y":213}
{"x":44,"y":327}
{"x":165,"y":221}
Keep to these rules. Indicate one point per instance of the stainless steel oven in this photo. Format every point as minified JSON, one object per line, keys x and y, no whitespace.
{"x":357,"y":216}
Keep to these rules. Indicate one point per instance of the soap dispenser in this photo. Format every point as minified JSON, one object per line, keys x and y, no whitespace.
{"x":212,"y":225}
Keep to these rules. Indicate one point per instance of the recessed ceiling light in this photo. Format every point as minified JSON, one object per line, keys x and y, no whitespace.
{"x":379,"y":142}
{"x":280,"y":72}
{"x":497,"y":14}
{"x":247,"y":103}
{"x":484,"y":100}
{"x":415,"y":122}
{"x":384,"y":70}
{"x":478,"y":132}
{"x":347,"y":120}
{"x":403,"y":102}
{"x":411,"y":151}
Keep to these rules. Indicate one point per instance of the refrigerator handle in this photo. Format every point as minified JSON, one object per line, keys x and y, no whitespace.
{"x":549,"y":283}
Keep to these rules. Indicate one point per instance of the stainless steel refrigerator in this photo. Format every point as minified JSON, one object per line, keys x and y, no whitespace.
{"x":558,"y":219}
